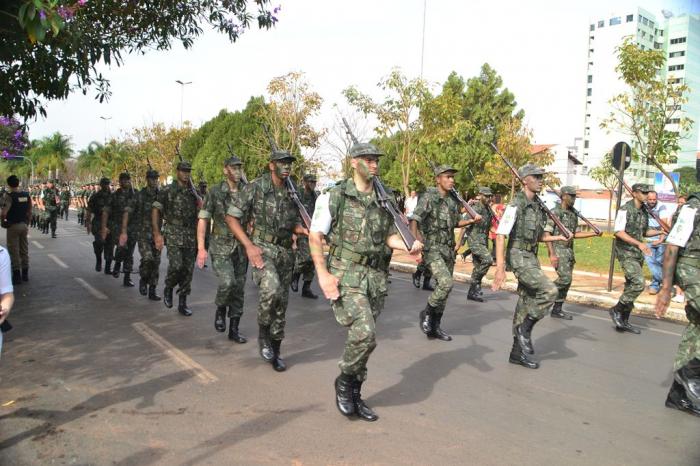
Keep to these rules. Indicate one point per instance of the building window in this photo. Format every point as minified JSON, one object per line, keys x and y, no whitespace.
{"x":651,"y":24}
{"x":677,"y":54}
{"x":592,"y":27}
{"x":661,"y":32}
{"x":590,"y":50}
{"x":601,"y":24}
{"x":676,"y":67}
{"x":630,"y":18}
{"x":615,"y":20}
{"x":678,"y":40}
{"x":644,"y":34}
{"x":589,"y":92}
{"x":590,"y":78}
{"x":585,"y":144}
{"x":673,"y":121}
{"x":657,"y":45}
{"x":675,"y":80}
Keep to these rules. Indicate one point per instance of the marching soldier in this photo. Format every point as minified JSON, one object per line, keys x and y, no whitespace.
{"x":561,"y":253}
{"x":93,"y":224}
{"x":122,"y":224}
{"x":177,"y":204}
{"x":304,"y":266}
{"x":65,"y":201}
{"x":50,"y":203}
{"x":357,"y":230}
{"x":436,"y":216}
{"x":275,"y":217}
{"x":631,"y":226}
{"x":227,"y":256}
{"x":478,"y":238}
{"x":150,"y":256}
{"x":682,"y":266}
{"x":522,"y":226}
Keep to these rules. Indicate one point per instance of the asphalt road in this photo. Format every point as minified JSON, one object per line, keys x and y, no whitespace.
{"x":96,"y":374}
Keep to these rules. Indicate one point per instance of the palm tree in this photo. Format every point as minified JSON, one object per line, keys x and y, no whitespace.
{"x":52,"y":152}
{"x":90,"y":161}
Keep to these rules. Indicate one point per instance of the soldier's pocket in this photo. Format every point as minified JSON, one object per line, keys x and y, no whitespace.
{"x":344,"y":308}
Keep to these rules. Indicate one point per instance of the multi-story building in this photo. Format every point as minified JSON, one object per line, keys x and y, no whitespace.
{"x":679,"y":38}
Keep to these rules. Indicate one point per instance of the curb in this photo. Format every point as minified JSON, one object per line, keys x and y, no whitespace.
{"x":576,"y":297}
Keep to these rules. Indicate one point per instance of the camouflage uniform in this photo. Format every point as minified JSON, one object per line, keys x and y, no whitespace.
{"x":123,"y":200}
{"x":97,"y":203}
{"x":178,"y":207}
{"x":228,"y":258}
{"x":49,"y":197}
{"x":631,"y":257}
{"x":65,"y":202}
{"x":150,"y":256}
{"x":478,"y":237}
{"x":564,"y":250}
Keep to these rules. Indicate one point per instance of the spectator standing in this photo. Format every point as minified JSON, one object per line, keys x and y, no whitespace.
{"x":656,"y":243}
{"x":16,"y":214}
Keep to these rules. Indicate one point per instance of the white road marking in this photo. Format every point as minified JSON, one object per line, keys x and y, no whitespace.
{"x":86,"y":243}
{"x":58,"y":261}
{"x":38,"y":244}
{"x":657,"y":330}
{"x":91,"y":289}
{"x":180,"y":358}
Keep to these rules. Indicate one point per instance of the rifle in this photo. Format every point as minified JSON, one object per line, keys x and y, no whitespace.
{"x":455,"y":194}
{"x":230,"y":152}
{"x":564,"y":231}
{"x":493,"y":213}
{"x":595,"y":229}
{"x":193,"y":190}
{"x":646,"y":208}
{"x":291,"y":189}
{"x":387,"y":203}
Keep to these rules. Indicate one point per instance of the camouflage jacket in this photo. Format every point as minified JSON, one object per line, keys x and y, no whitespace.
{"x":437,"y":217}
{"x":636,"y":226}
{"x":570,"y":221}
{"x":273,"y":213}
{"x":479,"y":232}
{"x":48,"y":195}
{"x":65,"y":196}
{"x":96,"y":204}
{"x":530,"y":221}
{"x":144,"y":208}
{"x":216,"y":204}
{"x":178,"y":206}
{"x":120,"y":202}
{"x":309,"y":200}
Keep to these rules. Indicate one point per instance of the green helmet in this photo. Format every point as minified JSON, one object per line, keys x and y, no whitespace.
{"x":364,"y":148}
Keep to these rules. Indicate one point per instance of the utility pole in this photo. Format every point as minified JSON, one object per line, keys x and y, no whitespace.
{"x":104,"y":118}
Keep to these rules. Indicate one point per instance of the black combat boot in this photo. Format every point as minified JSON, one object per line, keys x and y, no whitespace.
{"x":473,"y":293}
{"x":426,"y":284}
{"x":437,"y":331}
{"x":98,"y":264}
{"x":53,"y":233}
{"x":277,"y":362}
{"x":143,"y":287}
{"x":294,"y":284}
{"x":168,"y":297}
{"x":182,"y":305}
{"x":416,"y":278}
{"x":678,"y":399}
{"x":264,"y":343}
{"x":220,"y":319}
{"x":306,"y":291}
{"x":153,"y":296}
{"x":558,"y":313}
{"x":523,"y":332}
{"x":478,"y":289}
{"x":16,"y":277}
{"x":425,"y":319}
{"x":517,"y":356}
{"x":625,"y":320}
{"x":25,"y":274}
{"x":108,"y":267}
{"x":116,"y":269}
{"x":363,"y":411}
{"x":233,"y":333}
{"x":344,"y":394}
{"x":616,"y":316}
{"x":127,"y":280}
{"x":689,"y":377}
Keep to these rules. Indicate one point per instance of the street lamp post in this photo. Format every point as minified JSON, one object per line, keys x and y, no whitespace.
{"x":182,"y":96}
{"x":104,"y":118}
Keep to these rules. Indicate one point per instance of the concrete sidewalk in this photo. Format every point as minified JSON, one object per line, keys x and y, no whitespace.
{"x":588,"y":288}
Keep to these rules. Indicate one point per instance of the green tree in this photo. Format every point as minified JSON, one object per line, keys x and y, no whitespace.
{"x":649,"y":106}
{"x":687,"y":181}
{"x":51,"y":47}
{"x":605,"y":175}
{"x":50,"y":153}
{"x":90,"y":161}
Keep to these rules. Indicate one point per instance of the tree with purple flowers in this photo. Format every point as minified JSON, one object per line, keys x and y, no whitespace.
{"x":13,"y":140}
{"x":52,"y":47}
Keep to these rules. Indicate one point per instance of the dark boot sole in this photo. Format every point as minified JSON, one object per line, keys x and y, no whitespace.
{"x":519,"y":362}
{"x":686,"y":409}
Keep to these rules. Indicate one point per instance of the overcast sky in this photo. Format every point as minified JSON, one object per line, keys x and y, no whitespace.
{"x":539,"y":48}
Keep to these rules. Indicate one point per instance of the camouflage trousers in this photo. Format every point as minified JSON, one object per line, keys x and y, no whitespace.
{"x":424,"y":270}
{"x":150,"y":259}
{"x":536,"y":292}
{"x":303,"y":264}
{"x":634,"y":280}
{"x":125,"y":254}
{"x":362,"y":294}
{"x":273,"y":283}
{"x":565,"y":272}
{"x":101,"y":247}
{"x":688,"y":278}
{"x":180,"y":268}
{"x":442,"y":269}
{"x":64,"y":210}
{"x":481,"y":259}
{"x":52,"y":217}
{"x":231,"y":271}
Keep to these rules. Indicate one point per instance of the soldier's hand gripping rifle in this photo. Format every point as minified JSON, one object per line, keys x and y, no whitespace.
{"x":387,"y":202}
{"x":564,"y":231}
{"x":455,"y":194}
{"x":646,"y":208}
{"x":231,"y":153}
{"x":291,"y":189}
{"x":595,"y":229}
{"x":493,"y":212}
{"x":193,"y":190}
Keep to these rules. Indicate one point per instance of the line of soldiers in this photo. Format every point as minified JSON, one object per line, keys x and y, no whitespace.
{"x":47,"y":202}
{"x":257,"y":223}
